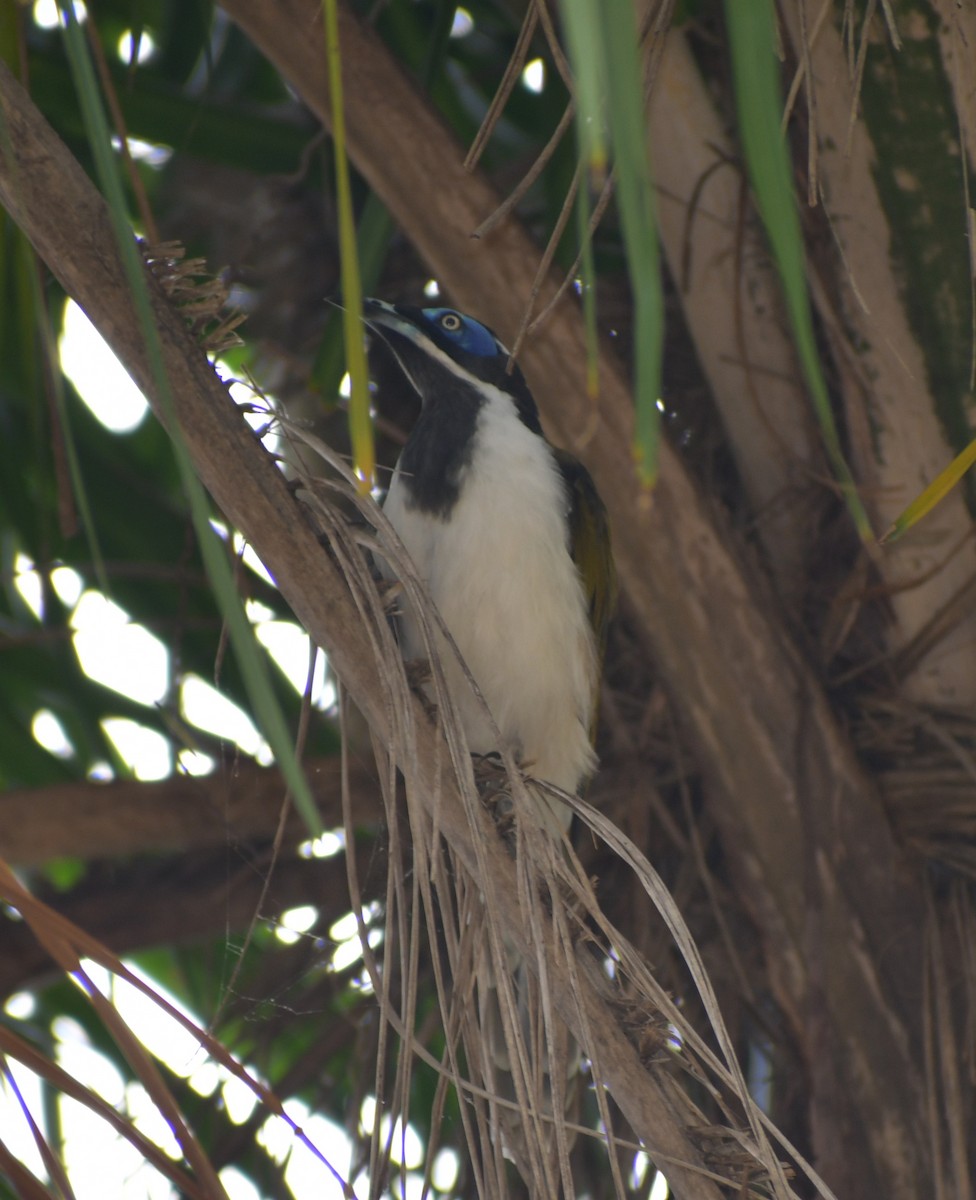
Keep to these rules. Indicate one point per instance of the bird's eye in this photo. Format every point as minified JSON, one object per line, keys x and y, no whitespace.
{"x":459,"y":334}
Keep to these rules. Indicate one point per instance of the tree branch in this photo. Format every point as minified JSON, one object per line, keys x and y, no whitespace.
{"x":239,"y":804}
{"x":176,"y":902}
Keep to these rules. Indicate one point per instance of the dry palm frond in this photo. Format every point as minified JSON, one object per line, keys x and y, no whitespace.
{"x":513,"y":70}
{"x":654,"y":22}
{"x":436,"y":907}
{"x":596,"y":216}
{"x":69,"y":946}
{"x":200,"y":296}
{"x":944,"y":1084}
{"x":528,"y":179}
{"x":925,"y":762}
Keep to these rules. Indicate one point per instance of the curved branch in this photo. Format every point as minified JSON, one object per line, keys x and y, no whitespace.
{"x":185,"y":812}
{"x":186,"y":903}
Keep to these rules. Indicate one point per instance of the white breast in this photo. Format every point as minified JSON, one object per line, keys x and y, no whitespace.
{"x":500,"y":573}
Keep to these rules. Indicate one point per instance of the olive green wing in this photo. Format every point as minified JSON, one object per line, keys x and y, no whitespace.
{"x":589,"y":535}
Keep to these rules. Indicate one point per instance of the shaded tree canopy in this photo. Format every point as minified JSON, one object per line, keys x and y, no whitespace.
{"x":786,"y":731}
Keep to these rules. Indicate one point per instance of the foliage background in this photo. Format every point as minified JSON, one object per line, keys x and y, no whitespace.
{"x":786,"y":728}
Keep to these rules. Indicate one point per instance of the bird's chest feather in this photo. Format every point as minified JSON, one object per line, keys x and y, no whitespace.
{"x":499,"y":570}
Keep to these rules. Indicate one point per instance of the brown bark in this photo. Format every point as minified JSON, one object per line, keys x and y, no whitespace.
{"x":239,"y":804}
{"x":900,"y":443}
{"x":727,"y":286}
{"x":171,"y":903}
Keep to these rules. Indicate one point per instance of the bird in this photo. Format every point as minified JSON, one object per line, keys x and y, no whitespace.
{"x":512,"y":541}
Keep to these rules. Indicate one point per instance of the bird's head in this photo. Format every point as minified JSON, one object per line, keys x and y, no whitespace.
{"x":440,"y":350}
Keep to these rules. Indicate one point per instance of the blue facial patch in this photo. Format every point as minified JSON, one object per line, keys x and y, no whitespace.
{"x":464,"y":332}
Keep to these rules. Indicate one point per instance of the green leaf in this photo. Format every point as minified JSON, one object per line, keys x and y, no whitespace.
{"x":603,"y":44}
{"x":635,"y":200}
{"x":360,"y":422}
{"x":754,"y":65}
{"x":586,"y":29}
